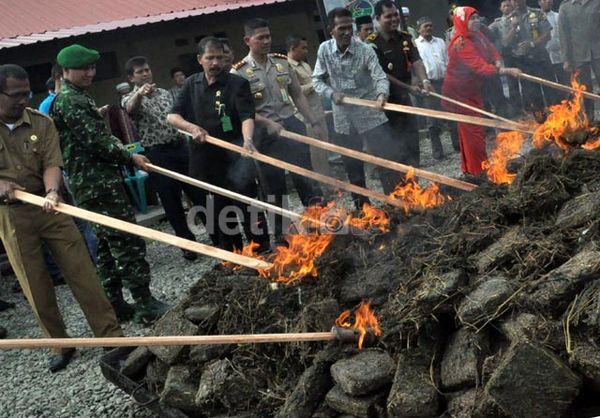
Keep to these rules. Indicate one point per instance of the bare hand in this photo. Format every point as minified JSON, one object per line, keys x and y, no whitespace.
{"x":198,"y":134}
{"x":513,"y":72}
{"x":427,"y":87}
{"x":416,"y":90}
{"x":337,"y":98}
{"x":249,"y":146}
{"x":146,"y":89}
{"x":103,"y":110}
{"x":7,"y":190}
{"x":274,"y":128}
{"x":52,"y":200}
{"x":140,"y":162}
{"x":524,"y":45}
{"x":381,"y":100}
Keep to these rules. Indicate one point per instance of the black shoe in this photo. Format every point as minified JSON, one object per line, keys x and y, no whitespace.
{"x":123,"y":310}
{"x":190,"y":255}
{"x":3,"y":332}
{"x":60,"y":361}
{"x":58,"y":280}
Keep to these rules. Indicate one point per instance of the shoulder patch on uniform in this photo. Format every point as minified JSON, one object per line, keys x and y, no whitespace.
{"x":280,"y":56}
{"x":38,"y":113}
{"x":239,"y":65}
{"x":372,"y":37}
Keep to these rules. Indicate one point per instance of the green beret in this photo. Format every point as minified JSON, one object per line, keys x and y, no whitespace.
{"x":77,"y":56}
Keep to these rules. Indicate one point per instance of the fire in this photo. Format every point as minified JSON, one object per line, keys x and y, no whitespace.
{"x":249,"y":250}
{"x":371,"y":218}
{"x":330,"y":218}
{"x":566,"y":122}
{"x":290,"y":264}
{"x":413,"y":196}
{"x":508,"y":145}
{"x":364,"y":320}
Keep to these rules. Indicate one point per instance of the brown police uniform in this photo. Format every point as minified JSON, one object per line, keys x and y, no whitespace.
{"x":26,"y":151}
{"x":396,"y":56}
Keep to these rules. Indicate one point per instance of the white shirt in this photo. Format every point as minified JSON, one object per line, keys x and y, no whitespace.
{"x":553,"y":45}
{"x":434,"y":54}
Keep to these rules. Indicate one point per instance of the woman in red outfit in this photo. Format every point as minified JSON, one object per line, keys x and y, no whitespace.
{"x":471,"y":58}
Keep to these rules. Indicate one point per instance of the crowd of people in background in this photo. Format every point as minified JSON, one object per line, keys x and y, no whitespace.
{"x":251,"y":103}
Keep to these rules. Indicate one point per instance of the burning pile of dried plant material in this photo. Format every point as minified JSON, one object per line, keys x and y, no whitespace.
{"x":488,"y":306}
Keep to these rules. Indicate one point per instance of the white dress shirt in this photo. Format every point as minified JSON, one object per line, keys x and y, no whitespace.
{"x":434,"y":54}
{"x":553,"y":45}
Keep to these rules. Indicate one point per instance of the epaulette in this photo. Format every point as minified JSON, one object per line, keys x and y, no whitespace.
{"x":38,"y":113}
{"x":372,"y":37}
{"x":280,"y":56}
{"x":239,"y":65}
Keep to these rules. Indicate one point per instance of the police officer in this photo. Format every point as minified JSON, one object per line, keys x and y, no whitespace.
{"x":217,"y":103}
{"x":274,"y":86}
{"x":30,"y":160}
{"x":399,"y":57}
{"x":526,"y":39}
{"x":93,"y":158}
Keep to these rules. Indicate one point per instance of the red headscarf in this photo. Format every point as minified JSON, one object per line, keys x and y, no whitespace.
{"x":461,"y":18}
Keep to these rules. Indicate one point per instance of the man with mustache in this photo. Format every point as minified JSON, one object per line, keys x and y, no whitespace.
{"x":30,"y":160}
{"x":93,"y":159}
{"x":217,"y":103}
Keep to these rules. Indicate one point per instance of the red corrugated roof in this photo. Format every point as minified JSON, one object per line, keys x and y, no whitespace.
{"x":31,"y":21}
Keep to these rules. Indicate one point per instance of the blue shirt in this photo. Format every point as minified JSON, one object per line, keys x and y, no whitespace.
{"x":46,"y":103}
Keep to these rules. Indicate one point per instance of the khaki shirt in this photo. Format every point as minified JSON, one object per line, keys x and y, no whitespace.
{"x":28,"y":149}
{"x":269,"y":85}
{"x":578,"y":23}
{"x":304,"y":74}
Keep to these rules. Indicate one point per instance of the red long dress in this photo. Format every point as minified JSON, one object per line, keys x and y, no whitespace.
{"x":471,"y":58}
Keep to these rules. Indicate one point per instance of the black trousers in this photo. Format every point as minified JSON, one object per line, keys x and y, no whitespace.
{"x":380,"y":142}
{"x":175,"y":157}
{"x":224,"y":215}
{"x":405,"y":132}
{"x":533,"y":99}
{"x":272,"y":179}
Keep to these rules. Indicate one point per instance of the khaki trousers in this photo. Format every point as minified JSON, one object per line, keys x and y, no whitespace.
{"x":23,"y":229}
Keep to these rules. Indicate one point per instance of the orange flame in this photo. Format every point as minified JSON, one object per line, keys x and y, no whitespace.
{"x":566,"y":119}
{"x":413,"y":196}
{"x":290,"y":264}
{"x":332,"y":219}
{"x":507,"y":147}
{"x":364,"y":320}
{"x":249,"y":250}
{"x":371,"y":218}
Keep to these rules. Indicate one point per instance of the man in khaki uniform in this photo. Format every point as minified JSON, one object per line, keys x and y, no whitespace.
{"x":30,"y":160}
{"x":297,"y":48}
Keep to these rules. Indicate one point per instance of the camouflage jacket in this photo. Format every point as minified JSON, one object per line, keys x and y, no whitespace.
{"x":92,"y":155}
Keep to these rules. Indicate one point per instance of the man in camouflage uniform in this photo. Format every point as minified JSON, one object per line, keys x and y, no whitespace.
{"x":93,"y":159}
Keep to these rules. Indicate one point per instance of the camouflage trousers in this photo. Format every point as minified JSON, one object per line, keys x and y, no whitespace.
{"x":121,"y":256}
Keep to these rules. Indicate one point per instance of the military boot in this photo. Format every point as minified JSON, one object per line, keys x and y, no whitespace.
{"x":147,"y":308}
{"x":123,"y":310}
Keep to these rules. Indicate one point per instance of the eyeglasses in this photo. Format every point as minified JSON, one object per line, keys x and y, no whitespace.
{"x":18,"y":95}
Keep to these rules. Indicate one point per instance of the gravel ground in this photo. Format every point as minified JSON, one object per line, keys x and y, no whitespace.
{"x":28,"y":389}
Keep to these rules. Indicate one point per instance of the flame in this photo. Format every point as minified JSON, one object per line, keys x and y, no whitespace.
{"x":364,"y":320}
{"x":413,"y":196}
{"x":381,"y":247}
{"x":371,"y":218}
{"x":249,"y":250}
{"x":332,"y":219}
{"x":290,"y":264}
{"x":508,"y":145}
{"x":565,"y":120}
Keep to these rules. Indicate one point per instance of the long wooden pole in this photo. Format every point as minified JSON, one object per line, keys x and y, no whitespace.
{"x":392,"y":165}
{"x":302,"y":171}
{"x":557,"y":86}
{"x":456,"y":117}
{"x":458,"y":103}
{"x":30,"y":343}
{"x":225,"y":192}
{"x":147,"y":232}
